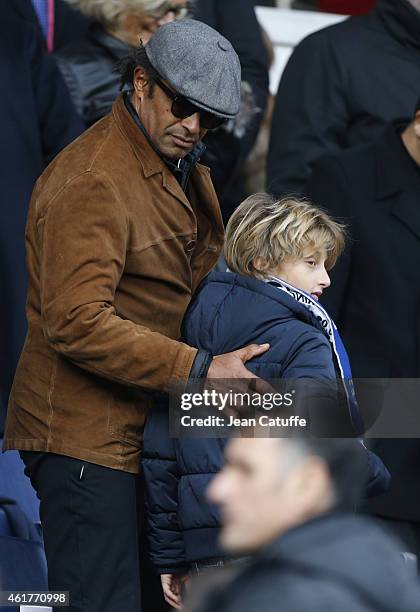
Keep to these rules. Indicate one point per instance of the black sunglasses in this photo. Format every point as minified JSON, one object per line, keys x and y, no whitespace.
{"x":183,"y":108}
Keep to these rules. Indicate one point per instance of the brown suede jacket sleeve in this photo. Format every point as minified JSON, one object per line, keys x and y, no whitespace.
{"x":83,"y":236}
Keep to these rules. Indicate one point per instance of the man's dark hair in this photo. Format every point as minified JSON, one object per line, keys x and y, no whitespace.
{"x":347,"y":462}
{"x":126,"y":66}
{"x":417,"y":109}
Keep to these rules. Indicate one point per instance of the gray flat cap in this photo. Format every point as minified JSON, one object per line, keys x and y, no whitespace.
{"x":199,"y":63}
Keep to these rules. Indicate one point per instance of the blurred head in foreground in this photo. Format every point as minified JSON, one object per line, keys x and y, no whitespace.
{"x":268,"y":486}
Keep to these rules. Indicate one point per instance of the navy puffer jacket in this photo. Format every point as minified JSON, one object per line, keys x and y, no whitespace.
{"x":228,"y":312}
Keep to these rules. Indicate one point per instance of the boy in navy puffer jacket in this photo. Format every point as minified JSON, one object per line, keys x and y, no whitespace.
{"x":278,"y":253}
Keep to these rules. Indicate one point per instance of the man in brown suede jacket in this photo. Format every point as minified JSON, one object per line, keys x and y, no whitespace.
{"x":122,"y":227}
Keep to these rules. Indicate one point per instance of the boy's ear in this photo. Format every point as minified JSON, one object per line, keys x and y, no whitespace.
{"x":260,"y":264}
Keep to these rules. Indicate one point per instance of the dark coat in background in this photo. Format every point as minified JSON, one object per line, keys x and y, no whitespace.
{"x":375,"y":292}
{"x":87,"y":67}
{"x":69,"y":24}
{"x":340,"y":87}
{"x":37,"y":121}
{"x":183,"y":525}
{"x":336,"y":562}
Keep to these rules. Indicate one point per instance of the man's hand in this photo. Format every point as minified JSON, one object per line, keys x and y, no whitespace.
{"x":172,"y":588}
{"x":231,"y":365}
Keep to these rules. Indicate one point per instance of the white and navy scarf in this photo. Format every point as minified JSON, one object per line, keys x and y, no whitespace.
{"x":330,"y":330}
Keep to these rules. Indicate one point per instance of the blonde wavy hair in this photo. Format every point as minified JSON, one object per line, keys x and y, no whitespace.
{"x":266,"y":231}
{"x":107,"y":12}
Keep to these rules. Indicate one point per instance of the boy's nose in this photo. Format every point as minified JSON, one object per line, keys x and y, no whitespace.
{"x":325,"y":281}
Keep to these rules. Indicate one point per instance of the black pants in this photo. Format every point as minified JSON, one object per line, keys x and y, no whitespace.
{"x":89,"y":519}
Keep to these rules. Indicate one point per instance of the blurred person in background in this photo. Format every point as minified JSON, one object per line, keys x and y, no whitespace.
{"x":57,"y":22}
{"x":37,"y":120}
{"x":117,"y":27}
{"x":254,"y":170}
{"x":375,"y":294}
{"x":228,"y":147}
{"x":340,"y":88}
{"x":288,"y":504}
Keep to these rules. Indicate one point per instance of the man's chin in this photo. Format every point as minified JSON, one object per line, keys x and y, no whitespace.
{"x":232,"y":543}
{"x":174,"y":153}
